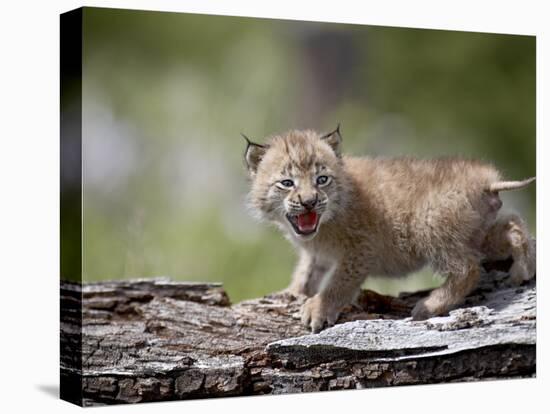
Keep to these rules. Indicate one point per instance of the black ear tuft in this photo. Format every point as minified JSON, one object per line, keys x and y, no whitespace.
{"x":253,"y":154}
{"x":334,"y":139}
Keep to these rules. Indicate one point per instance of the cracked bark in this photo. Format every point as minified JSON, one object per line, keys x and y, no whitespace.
{"x":154,"y":339}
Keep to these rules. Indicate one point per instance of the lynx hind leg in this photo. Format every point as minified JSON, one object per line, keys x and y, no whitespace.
{"x":460,"y":281}
{"x":509,"y":237}
{"x":307,"y":276}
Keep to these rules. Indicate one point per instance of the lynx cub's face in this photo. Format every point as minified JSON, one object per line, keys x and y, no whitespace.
{"x":296,"y":180}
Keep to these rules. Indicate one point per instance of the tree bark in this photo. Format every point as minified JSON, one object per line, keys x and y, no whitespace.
{"x":154,"y":339}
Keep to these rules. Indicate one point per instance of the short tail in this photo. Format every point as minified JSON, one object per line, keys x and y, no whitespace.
{"x":510,"y":185}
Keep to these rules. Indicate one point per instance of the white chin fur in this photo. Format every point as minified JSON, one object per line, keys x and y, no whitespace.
{"x":303,"y":237}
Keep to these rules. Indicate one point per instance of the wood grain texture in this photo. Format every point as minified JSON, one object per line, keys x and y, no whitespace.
{"x":154,"y":339}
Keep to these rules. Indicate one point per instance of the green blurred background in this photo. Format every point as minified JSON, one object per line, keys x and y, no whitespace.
{"x":165,"y":96}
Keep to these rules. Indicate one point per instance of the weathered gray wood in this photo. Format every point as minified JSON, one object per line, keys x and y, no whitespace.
{"x":150,"y":340}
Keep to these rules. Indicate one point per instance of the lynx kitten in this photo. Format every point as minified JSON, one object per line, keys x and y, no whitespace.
{"x":352,"y":217}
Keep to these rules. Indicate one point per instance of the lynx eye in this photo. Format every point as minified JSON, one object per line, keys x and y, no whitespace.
{"x":322,"y":180}
{"x":286,"y":183}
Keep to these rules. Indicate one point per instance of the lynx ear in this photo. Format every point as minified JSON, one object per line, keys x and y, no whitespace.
{"x":253,"y":154}
{"x":334,"y":139}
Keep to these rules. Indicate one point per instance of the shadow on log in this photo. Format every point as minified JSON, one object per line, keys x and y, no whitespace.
{"x":154,"y":339}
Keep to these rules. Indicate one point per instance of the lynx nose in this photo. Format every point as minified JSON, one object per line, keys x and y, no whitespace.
{"x":309,"y":203}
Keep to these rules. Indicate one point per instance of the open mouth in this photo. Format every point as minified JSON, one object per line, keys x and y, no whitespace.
{"x":304,"y":224}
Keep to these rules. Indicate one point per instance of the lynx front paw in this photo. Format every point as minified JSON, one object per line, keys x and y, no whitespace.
{"x":291,"y":291}
{"x":316,"y":312}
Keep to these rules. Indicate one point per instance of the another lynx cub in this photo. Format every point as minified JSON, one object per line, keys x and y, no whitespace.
{"x":354,"y":217}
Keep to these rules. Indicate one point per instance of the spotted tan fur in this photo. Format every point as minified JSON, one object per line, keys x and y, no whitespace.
{"x":383,"y":217}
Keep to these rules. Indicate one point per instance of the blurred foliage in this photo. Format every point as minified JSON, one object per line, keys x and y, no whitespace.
{"x":165,"y":96}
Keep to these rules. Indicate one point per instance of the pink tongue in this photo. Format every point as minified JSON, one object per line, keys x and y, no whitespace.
{"x":307,"y":221}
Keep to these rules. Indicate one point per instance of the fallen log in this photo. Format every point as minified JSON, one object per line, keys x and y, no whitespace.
{"x":154,"y":339}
